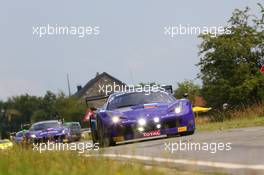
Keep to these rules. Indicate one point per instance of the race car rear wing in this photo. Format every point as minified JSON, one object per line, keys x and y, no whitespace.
{"x":168,"y":88}
{"x":95,"y":98}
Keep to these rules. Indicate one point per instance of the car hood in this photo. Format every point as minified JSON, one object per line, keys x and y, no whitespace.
{"x":143,"y":111}
{"x":150,"y":110}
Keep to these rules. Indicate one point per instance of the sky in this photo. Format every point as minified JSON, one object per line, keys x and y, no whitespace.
{"x":131,"y":45}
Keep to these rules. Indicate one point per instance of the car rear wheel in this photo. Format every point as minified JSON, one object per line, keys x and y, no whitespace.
{"x":78,"y":138}
{"x":94,"y":136}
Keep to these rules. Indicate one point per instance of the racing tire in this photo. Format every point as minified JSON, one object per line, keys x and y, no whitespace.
{"x":78,"y":138}
{"x":103,"y":138}
{"x":94,"y":136}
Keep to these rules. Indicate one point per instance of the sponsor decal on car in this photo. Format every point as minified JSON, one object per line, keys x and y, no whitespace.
{"x":182,"y":129}
{"x":118,"y":139}
{"x":151,"y":133}
{"x":151,"y":105}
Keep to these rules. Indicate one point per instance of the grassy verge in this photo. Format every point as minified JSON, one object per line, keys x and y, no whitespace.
{"x":26,"y":162}
{"x":18,"y":161}
{"x":231,"y":123}
{"x":243,"y":117}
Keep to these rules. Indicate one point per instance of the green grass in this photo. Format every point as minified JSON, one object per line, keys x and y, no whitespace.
{"x":231,"y":123}
{"x":86,"y":136}
{"x":27,"y":162}
{"x":20,"y":161}
{"x":246,"y":116}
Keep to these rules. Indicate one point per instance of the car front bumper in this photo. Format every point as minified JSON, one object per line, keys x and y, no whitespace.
{"x":50,"y":138}
{"x":169,"y":124}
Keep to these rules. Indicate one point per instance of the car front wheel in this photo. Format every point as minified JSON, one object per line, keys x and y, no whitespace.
{"x":103,"y":138}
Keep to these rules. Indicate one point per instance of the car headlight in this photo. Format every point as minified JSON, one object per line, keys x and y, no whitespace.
{"x":140,"y":129}
{"x":142,"y":122}
{"x":156,"y":119}
{"x":115,"y":119}
{"x":178,"y":108}
{"x":33,"y":136}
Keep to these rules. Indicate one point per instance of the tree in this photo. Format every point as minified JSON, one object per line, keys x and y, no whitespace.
{"x":59,"y":106}
{"x":25,"y":105}
{"x":70,"y":108}
{"x":30,"y":109}
{"x":189,"y":87}
{"x":230,"y":63}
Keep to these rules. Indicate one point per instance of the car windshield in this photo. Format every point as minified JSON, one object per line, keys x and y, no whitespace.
{"x":42,"y":126}
{"x":137,"y":98}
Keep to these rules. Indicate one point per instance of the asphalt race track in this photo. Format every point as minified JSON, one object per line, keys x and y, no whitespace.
{"x":244,"y":155}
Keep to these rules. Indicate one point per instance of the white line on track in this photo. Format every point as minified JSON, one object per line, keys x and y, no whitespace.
{"x":184,"y":161}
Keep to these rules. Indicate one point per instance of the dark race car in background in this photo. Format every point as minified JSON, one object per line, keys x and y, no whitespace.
{"x":75,"y":129}
{"x":134,"y":115}
{"x":51,"y":130}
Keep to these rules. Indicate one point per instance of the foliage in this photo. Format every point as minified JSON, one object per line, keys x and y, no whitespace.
{"x":189,"y":87}
{"x":21,"y":162}
{"x":27,"y":162}
{"x":245,"y":116}
{"x":32,"y":109}
{"x":230,"y":63}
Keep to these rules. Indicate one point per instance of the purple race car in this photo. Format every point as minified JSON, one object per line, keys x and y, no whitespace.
{"x":51,"y":130}
{"x":138,"y":115}
{"x":19,"y":137}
